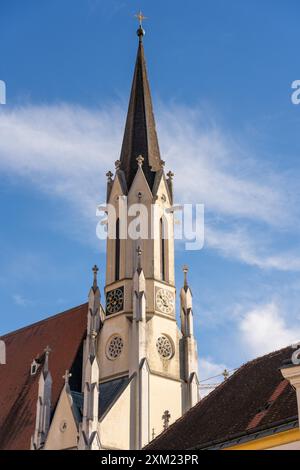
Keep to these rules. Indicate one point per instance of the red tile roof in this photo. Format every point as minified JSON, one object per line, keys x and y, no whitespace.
{"x":256,"y":395}
{"x":257,"y":419}
{"x":18,"y":389}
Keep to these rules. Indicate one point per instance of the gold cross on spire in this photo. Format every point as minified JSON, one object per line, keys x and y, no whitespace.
{"x":140,"y":17}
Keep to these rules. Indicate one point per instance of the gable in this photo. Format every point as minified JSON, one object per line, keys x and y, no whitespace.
{"x":139,"y":184}
{"x":117,"y":188}
{"x":161,"y":187}
{"x":63,"y":430}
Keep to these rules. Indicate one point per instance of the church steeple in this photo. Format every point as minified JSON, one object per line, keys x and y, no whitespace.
{"x":140,"y":337}
{"x":140,"y":136}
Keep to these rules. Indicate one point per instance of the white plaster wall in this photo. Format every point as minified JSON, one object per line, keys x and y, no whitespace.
{"x":156,"y":327}
{"x":164,"y":395}
{"x":118,"y":325}
{"x":114,"y":429}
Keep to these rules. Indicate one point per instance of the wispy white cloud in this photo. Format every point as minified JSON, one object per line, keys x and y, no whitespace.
{"x":214,"y":169}
{"x":263,"y":329}
{"x":21,"y":301}
{"x":66,"y":150}
{"x":250,"y":248}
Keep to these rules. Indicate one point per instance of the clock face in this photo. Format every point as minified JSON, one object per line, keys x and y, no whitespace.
{"x":115,"y":301}
{"x":165,"y":301}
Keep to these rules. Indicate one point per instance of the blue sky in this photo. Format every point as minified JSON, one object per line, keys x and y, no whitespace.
{"x":220,"y":74}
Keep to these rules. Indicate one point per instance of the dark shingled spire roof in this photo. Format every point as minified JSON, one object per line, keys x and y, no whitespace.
{"x":140,"y":136}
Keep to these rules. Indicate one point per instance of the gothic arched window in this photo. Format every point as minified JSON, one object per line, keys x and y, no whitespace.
{"x":117,"y":251}
{"x":162,"y":250}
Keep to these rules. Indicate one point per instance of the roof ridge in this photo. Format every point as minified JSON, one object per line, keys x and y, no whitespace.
{"x":270,"y":354}
{"x":39,"y":322}
{"x":243,"y":366}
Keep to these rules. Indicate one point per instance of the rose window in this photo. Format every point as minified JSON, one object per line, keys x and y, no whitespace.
{"x":114,"y":347}
{"x":164,"y":347}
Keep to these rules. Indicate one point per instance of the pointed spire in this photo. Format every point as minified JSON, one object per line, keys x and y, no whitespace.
{"x":43,"y":405}
{"x":185,"y":270}
{"x":140,"y":136}
{"x":109,"y":176}
{"x":95,"y":310}
{"x":95,"y":281}
{"x":47,"y":351}
{"x":139,"y":252}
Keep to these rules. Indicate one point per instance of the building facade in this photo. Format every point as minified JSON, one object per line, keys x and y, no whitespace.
{"x":135,"y":341}
{"x":256,"y":408}
{"x":118,"y":373}
{"x":139,"y":368}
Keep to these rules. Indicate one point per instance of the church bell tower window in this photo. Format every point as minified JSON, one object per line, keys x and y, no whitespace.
{"x":117,"y":252}
{"x":162,"y":251}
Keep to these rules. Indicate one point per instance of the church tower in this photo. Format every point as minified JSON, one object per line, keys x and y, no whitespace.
{"x":140,"y":338}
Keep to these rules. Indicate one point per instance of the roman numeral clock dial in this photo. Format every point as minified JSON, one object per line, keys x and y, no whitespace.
{"x":164,"y":301}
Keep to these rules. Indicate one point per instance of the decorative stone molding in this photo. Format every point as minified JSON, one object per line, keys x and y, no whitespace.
{"x":291,"y":372}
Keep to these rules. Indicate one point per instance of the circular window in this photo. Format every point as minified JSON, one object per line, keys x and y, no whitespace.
{"x":114,"y":347}
{"x":164,"y":347}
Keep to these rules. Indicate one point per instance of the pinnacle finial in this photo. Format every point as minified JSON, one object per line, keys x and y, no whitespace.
{"x":140,"y":32}
{"x":170,"y":175}
{"x":185,"y":270}
{"x":94,"y":335}
{"x":109,"y":176}
{"x":139,"y":252}
{"x":47,"y":351}
{"x":140,"y":160}
{"x":67,"y":376}
{"x":95,"y":281}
